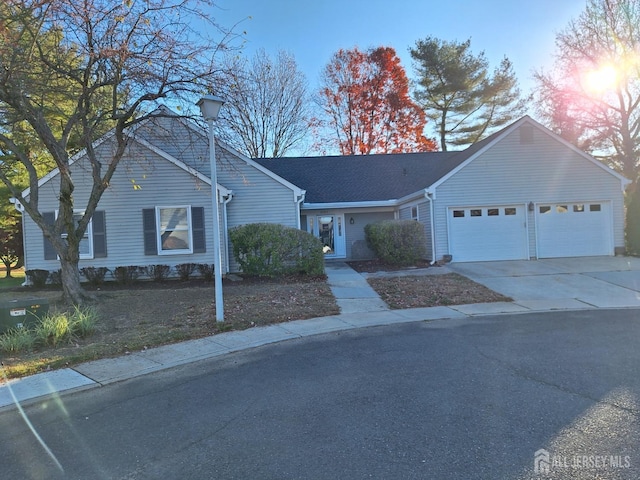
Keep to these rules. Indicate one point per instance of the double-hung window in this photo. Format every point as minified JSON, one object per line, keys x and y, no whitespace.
{"x":171,"y":230}
{"x":86,"y":244}
{"x":94,"y":241}
{"x":174,"y":234}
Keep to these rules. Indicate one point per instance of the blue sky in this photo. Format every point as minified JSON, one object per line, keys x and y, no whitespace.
{"x":312,"y":31}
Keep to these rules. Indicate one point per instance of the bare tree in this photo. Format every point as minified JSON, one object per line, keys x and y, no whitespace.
{"x":592,"y":97}
{"x":267,"y":111}
{"x":69,"y":71}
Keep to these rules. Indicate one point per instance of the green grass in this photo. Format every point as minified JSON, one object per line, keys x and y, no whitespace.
{"x":17,"y":340}
{"x":16,"y":279}
{"x":51,"y":330}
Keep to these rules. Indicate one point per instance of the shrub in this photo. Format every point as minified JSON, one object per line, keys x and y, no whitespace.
{"x":55,"y":277}
{"x":94,"y":275}
{"x":37,"y":278}
{"x":82,"y":321}
{"x":127,"y":275}
{"x":185,"y":270}
{"x":269,"y":249}
{"x":158,"y":273}
{"x":206,"y":270}
{"x":17,"y":340}
{"x":52,"y":329}
{"x":632,"y":232}
{"x":399,"y":242}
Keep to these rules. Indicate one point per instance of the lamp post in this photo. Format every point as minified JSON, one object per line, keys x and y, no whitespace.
{"x":210,"y":107}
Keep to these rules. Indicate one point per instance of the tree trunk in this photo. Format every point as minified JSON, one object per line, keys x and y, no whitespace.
{"x":74,"y":293}
{"x":7,"y":268}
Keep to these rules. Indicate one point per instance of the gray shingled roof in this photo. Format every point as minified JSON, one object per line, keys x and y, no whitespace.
{"x":369,"y":178}
{"x":364,"y":177}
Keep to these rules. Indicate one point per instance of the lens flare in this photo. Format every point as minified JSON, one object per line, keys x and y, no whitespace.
{"x":603,"y":79}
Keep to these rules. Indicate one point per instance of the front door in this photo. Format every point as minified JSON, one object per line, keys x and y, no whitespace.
{"x":330,"y":230}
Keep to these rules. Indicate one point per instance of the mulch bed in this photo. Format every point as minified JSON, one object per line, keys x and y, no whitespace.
{"x":376,"y":265}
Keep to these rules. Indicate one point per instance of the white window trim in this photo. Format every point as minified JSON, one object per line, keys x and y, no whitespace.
{"x":88,"y":234}
{"x":184,"y":251}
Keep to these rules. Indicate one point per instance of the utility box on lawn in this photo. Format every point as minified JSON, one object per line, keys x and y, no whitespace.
{"x":21,"y":313}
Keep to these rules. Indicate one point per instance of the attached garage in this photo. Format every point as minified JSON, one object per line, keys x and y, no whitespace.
{"x":484,"y":233}
{"x":574,"y":229}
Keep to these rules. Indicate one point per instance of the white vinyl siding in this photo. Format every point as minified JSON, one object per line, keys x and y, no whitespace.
{"x":512,"y":173}
{"x":142,"y":180}
{"x":258,"y":198}
{"x":420,"y":212}
{"x":354,"y":232}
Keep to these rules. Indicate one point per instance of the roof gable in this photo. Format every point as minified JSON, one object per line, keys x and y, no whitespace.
{"x":178,"y":140}
{"x":478,"y":148}
{"x":390,"y":177}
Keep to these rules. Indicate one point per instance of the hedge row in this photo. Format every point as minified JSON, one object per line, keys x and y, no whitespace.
{"x":125,"y":274}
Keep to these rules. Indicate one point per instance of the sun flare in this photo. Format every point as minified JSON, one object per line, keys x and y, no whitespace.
{"x":602,"y":79}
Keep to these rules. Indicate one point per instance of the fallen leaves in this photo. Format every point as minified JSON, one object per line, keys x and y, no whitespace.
{"x":432,"y":290}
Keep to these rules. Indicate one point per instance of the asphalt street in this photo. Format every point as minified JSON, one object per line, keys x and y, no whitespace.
{"x":472,"y":398}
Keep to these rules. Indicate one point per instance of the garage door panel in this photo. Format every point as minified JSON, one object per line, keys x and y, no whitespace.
{"x":488,"y":233}
{"x":574,"y":229}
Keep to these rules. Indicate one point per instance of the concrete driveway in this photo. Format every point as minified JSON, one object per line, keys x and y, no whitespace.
{"x":561,"y":283}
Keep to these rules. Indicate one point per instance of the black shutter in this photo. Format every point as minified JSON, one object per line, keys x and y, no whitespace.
{"x":197,"y":224}
{"x":149,"y":231}
{"x":49,"y":251}
{"x":99,"y":226}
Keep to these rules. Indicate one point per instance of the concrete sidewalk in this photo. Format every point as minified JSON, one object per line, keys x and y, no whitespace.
{"x":360,"y":307}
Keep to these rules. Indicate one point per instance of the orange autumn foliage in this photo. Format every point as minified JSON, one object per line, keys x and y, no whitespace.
{"x":365,"y":96}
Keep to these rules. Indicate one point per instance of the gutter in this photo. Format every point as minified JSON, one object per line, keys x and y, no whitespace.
{"x":225,"y":221}
{"x":431,"y":195}
{"x":20,"y":208}
{"x":16,"y":204}
{"x":350,"y":205}
{"x":299,"y":201}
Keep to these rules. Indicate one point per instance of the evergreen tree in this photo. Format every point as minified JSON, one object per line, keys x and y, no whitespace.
{"x":458,"y":92}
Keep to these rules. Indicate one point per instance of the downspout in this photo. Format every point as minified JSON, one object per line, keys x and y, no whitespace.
{"x":429,"y":195}
{"x":225,"y":224}
{"x":20,"y":208}
{"x":299,"y":201}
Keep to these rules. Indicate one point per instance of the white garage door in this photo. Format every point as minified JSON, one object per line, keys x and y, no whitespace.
{"x":488,"y":233}
{"x":574,"y":229}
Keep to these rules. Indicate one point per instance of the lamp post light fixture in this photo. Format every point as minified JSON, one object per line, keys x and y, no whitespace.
{"x":210,"y":107}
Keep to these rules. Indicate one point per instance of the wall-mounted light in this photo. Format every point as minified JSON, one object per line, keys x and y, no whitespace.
{"x":352,"y":221}
{"x":531,"y":206}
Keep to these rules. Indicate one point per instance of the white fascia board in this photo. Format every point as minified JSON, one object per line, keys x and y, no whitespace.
{"x":478,"y":153}
{"x":527,"y":119}
{"x":224,"y":192}
{"x":349,"y":205}
{"x":297,"y":191}
{"x":414,"y":196}
{"x":623,"y":180}
{"x":72,"y":160}
{"x":131,"y":130}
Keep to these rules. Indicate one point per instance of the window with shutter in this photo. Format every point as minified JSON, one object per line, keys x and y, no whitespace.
{"x":94,"y":240}
{"x":173,"y":230}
